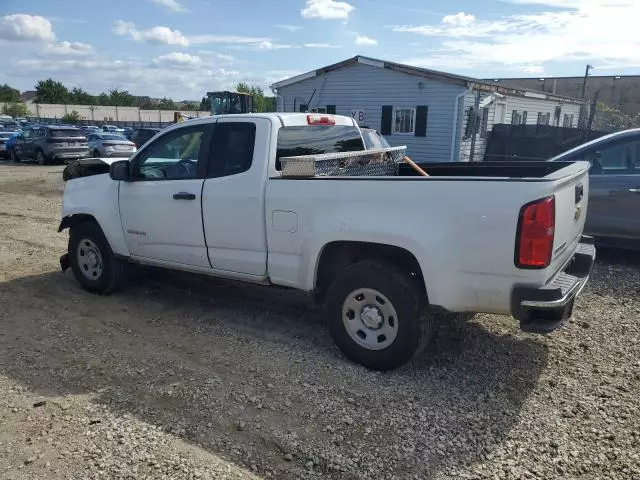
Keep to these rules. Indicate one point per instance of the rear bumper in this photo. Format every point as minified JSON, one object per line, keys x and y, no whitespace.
{"x":69,"y":155}
{"x":543,"y":309}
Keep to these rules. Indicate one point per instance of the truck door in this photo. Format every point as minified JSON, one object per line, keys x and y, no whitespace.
{"x":160,"y":208}
{"x":614,"y":201}
{"x":233,"y":196}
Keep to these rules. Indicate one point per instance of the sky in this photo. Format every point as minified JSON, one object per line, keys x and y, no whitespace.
{"x":184,"y":48}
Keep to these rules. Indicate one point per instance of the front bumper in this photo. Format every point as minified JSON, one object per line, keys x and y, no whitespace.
{"x":544,"y":309}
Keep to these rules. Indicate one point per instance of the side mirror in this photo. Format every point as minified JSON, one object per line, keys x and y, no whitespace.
{"x":120,"y":171}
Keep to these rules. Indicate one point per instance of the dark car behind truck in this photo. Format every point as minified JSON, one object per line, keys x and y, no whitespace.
{"x":50,"y":144}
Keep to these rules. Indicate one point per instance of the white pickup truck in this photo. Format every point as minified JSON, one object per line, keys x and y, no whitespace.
{"x":384,"y":254}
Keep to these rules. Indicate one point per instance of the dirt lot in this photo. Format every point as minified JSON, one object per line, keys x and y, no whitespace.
{"x":180,"y":377}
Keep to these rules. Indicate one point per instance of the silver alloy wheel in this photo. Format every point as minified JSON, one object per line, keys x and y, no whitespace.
{"x":370,"y":319}
{"x":89,"y":259}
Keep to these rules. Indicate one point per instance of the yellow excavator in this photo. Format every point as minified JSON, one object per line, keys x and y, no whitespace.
{"x":224,"y":102}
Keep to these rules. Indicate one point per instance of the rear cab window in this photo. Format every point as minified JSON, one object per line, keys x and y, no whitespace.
{"x":59,"y":133}
{"x":317,"y":139}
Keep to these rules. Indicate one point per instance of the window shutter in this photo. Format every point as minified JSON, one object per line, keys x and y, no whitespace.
{"x":303,"y":107}
{"x":421,"y":120}
{"x":331,"y":109}
{"x":385,"y":121}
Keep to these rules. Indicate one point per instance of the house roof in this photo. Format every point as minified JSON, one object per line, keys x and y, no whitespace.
{"x":469,"y":82}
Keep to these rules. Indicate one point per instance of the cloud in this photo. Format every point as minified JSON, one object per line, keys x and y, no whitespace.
{"x":327,"y":9}
{"x":68,"y":49}
{"x":173,"y":5}
{"x":289,"y":28}
{"x":157,"y":35}
{"x":533,"y":69}
{"x":202,"y":39}
{"x":179,"y":59}
{"x":23,"y":27}
{"x":321,"y":45}
{"x":600,"y":32}
{"x":365,"y":41}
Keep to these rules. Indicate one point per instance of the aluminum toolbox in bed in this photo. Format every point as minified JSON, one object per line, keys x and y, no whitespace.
{"x":381,"y":162}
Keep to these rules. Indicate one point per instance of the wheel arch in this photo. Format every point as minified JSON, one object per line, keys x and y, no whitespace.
{"x":335,"y":256}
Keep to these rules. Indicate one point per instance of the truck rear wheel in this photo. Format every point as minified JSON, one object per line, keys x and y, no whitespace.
{"x":377,"y":315}
{"x":93,"y":263}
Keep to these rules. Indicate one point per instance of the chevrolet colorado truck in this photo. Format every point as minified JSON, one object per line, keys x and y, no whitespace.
{"x":386,"y":255}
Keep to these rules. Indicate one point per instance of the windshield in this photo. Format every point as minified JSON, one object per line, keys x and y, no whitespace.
{"x":112,"y":137}
{"x":71,"y":132}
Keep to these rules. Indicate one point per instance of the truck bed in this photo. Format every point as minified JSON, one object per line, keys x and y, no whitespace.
{"x":519,"y":170}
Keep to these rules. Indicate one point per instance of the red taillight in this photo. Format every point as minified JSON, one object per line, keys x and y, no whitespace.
{"x":536,"y":229}
{"x":320,"y":120}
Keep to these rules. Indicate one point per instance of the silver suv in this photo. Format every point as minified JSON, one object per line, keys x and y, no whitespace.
{"x":50,"y":144}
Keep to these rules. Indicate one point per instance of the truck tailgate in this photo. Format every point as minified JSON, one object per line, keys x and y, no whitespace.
{"x":571,"y":198}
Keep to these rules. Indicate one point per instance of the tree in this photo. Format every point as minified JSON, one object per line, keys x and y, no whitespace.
{"x":79,"y":97}
{"x":260,"y":102}
{"x":611,"y":119}
{"x":8,"y":94}
{"x":16,"y":109}
{"x":205,"y":104}
{"x":167,"y":104}
{"x":72,"y":117}
{"x":50,"y":91}
{"x":121,"y":98}
{"x":103,"y":99}
{"x":190,"y":106}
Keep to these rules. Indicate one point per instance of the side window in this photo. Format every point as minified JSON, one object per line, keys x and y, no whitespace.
{"x":232,"y":148}
{"x":614,"y":159}
{"x":174,"y":156}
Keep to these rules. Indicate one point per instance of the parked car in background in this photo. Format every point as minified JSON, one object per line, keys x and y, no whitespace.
{"x":143,"y":135}
{"x":127,"y":131}
{"x":4,"y":138}
{"x":110,"y":145}
{"x":50,"y":144}
{"x":89,"y":129}
{"x":614,"y":200}
{"x":112,"y":129}
{"x":372,"y":139}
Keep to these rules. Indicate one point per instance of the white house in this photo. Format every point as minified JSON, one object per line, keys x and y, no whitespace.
{"x":426,"y":110}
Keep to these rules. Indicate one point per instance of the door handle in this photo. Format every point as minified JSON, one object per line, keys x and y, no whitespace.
{"x":184,"y":196}
{"x":634,"y":190}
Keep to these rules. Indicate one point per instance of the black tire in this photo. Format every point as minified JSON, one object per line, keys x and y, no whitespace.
{"x":40,"y":158}
{"x":111,"y":275}
{"x":14,"y":158}
{"x":96,"y":153}
{"x":414,"y":323}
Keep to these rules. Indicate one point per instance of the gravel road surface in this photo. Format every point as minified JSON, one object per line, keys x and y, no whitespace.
{"x":180,"y":377}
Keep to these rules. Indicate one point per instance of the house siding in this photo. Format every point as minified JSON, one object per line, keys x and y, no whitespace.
{"x":533,"y":106}
{"x":481,"y":142}
{"x":368,"y":88}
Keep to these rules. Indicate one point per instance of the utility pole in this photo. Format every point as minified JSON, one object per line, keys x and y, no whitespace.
{"x":584,"y":83}
{"x":474,"y":130}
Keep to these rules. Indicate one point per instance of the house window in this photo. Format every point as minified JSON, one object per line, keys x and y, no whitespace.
{"x":543,"y":118}
{"x":404,"y":120}
{"x":568,"y":121}
{"x":518,"y":118}
{"x":318,"y":110}
{"x":303,"y":107}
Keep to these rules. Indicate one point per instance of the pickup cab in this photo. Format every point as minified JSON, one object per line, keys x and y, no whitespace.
{"x":386,"y":255}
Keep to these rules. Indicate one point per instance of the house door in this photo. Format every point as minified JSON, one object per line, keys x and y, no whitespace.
{"x":499,"y":116}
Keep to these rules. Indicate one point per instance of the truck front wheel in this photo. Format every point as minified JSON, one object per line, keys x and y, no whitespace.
{"x":377,"y":315}
{"x":93,"y":263}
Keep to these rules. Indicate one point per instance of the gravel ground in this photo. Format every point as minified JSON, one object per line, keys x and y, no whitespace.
{"x":182,"y":377}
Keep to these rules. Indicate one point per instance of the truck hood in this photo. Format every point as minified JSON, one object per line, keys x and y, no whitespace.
{"x":86,"y":167}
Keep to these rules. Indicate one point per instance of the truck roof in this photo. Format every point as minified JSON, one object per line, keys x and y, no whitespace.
{"x":286,"y":119}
